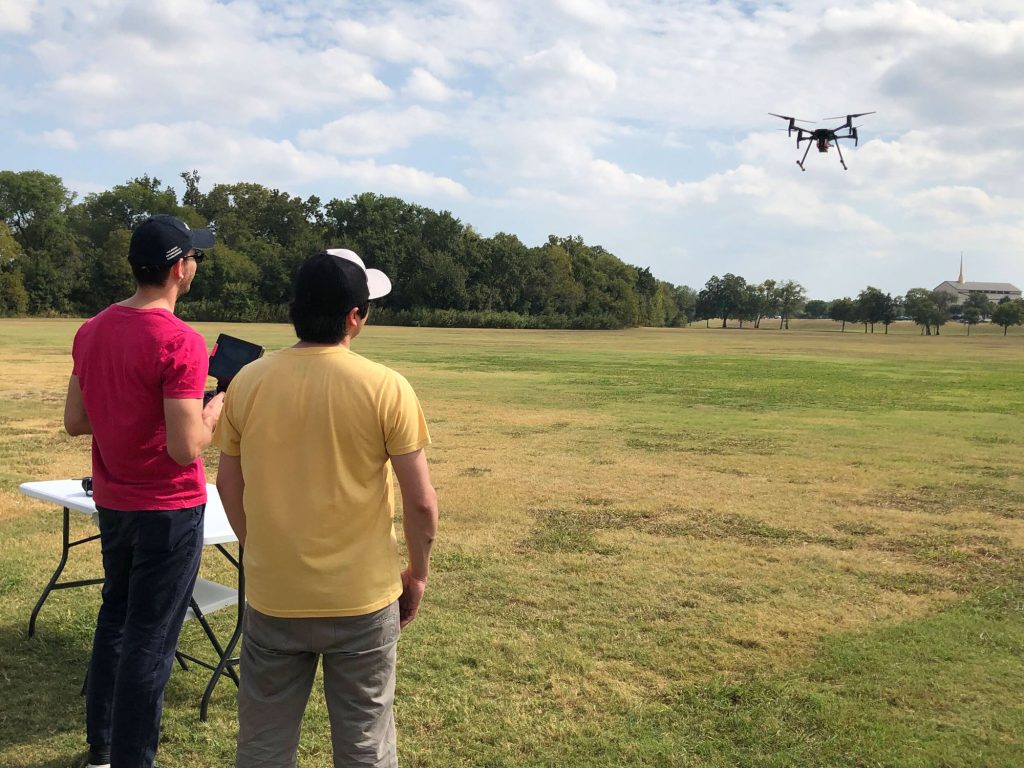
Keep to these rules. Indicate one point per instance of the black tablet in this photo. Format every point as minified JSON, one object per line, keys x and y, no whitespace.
{"x":229,"y":355}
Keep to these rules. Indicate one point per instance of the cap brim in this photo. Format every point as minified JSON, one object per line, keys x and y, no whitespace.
{"x":202,"y":238}
{"x":378,"y":283}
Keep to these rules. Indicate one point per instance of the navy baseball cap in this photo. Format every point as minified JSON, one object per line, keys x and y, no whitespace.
{"x":161,"y":240}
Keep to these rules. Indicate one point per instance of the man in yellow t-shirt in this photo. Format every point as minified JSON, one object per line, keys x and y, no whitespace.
{"x":309,"y":437}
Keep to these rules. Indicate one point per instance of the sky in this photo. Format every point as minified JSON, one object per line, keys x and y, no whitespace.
{"x":641,"y":125}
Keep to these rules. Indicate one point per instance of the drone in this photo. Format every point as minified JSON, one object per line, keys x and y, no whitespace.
{"x":823,"y":137}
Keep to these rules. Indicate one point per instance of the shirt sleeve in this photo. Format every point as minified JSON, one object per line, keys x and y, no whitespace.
{"x":76,"y":363}
{"x":402,"y":421}
{"x":227,"y":436}
{"x":185,"y":364}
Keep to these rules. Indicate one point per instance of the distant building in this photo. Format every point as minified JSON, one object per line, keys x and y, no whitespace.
{"x":960,"y":289}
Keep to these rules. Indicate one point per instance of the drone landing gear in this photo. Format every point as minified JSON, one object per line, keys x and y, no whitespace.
{"x":841,"y":161}
{"x":800,"y":162}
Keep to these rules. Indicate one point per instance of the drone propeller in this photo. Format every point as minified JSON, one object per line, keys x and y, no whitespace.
{"x":848,"y":117}
{"x":787,"y":117}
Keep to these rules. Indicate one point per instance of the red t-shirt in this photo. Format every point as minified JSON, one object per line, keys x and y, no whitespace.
{"x":127,"y":362}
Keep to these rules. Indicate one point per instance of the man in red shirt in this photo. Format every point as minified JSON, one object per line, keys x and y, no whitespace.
{"x":137,"y":387}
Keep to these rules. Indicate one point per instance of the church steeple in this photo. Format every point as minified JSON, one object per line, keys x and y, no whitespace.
{"x":961,"y":278}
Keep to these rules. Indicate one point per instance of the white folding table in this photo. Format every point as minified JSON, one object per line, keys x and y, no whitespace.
{"x":207,"y":597}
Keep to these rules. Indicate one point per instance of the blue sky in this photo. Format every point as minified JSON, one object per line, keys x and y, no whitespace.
{"x":640,"y":125}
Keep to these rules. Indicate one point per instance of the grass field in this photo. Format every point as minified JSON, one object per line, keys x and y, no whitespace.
{"x":658,"y":548}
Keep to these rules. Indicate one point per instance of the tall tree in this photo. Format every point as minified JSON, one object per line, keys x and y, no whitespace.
{"x":941,"y":302}
{"x":980,"y":302}
{"x":816,"y":309}
{"x":920,"y":306}
{"x":843,"y":311}
{"x":791,"y":297}
{"x":13,"y":296}
{"x":891,"y":311}
{"x":34,"y":205}
{"x":871,"y":307}
{"x":971,"y":316}
{"x":1008,"y":313}
{"x":724,"y":297}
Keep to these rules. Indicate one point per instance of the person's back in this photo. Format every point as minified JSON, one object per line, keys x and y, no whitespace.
{"x":308,"y":439}
{"x":128,"y":361}
{"x":318,"y":492}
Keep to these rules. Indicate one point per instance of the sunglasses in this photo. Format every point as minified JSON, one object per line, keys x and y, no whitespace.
{"x":198,"y":256}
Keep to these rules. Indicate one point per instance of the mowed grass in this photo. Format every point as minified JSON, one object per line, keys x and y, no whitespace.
{"x":658,"y":548}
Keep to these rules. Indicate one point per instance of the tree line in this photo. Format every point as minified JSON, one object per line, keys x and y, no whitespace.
{"x":929,"y":309}
{"x":63,"y":256}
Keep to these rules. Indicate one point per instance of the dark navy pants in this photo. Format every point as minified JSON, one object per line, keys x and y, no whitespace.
{"x":150,"y":562}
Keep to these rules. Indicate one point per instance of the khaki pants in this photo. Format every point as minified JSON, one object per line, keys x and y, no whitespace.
{"x":279,"y":658}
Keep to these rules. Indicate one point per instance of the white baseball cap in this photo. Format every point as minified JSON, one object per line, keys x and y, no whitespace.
{"x":377,"y":282}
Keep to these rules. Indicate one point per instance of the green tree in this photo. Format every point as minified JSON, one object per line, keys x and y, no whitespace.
{"x":651,"y":312}
{"x":193,"y":198}
{"x":766,"y":303}
{"x":920,"y":306}
{"x":13,"y":296}
{"x":972,"y":316}
{"x":891,"y":311}
{"x":791,"y":297}
{"x":110,"y":274}
{"x":723,"y":297}
{"x":33,"y":204}
{"x":1008,"y":313}
{"x":978,"y":301}
{"x":685,"y":300}
{"x":123,"y":207}
{"x":871,"y":307}
{"x":751,"y":307}
{"x":816,"y":309}
{"x":843,"y":311}
{"x":941,"y":303}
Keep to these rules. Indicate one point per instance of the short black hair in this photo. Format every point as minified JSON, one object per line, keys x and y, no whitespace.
{"x":326,"y":290}
{"x":149,"y":275}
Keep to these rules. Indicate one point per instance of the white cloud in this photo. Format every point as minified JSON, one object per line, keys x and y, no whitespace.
{"x":239,"y":72}
{"x":957,"y":206}
{"x":229,"y":155}
{"x":17,"y":16}
{"x":373,"y":133}
{"x":593,"y":12}
{"x":59,"y":138}
{"x":563,"y":77}
{"x":390,"y":42}
{"x":423,"y":86}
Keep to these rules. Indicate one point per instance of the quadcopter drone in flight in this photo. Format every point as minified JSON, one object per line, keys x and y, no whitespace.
{"x":823,"y":137}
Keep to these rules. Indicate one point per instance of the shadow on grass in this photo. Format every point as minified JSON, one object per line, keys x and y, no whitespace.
{"x":42,"y":683}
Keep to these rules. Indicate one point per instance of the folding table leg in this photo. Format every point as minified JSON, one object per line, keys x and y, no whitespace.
{"x":226,"y":660}
{"x":56,"y":574}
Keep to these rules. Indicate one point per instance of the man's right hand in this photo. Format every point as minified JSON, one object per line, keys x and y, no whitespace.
{"x":412,"y":594}
{"x":211,"y":411}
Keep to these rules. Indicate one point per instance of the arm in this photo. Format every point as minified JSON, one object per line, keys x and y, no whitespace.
{"x":190,"y":426}
{"x":419,"y":520}
{"x":76,"y":420}
{"x":231,"y":488}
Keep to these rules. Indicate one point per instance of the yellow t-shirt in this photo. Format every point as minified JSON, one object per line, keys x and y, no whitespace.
{"x":315,"y":428}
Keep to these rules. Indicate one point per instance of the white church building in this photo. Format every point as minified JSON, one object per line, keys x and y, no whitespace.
{"x":960,"y":289}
